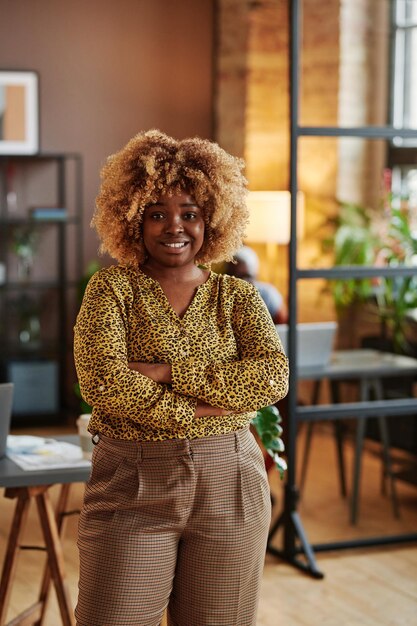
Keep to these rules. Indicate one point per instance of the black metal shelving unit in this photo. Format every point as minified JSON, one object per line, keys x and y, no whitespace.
{"x":296,"y":548}
{"x":65,"y":181}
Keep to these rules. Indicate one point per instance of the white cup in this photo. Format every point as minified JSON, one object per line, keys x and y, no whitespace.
{"x":86,"y":442}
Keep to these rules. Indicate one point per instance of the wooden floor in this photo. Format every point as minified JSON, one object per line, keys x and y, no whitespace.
{"x":362,"y":587}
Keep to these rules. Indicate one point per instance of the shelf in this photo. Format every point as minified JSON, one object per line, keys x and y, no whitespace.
{"x":45,"y":350}
{"x":17,"y":286}
{"x":47,"y":156}
{"x":23,"y":221}
{"x":52,"y":182}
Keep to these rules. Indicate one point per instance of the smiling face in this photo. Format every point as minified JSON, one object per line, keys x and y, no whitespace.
{"x":173,"y":230}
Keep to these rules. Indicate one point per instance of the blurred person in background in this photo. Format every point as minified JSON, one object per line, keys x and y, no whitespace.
{"x":246,"y":266}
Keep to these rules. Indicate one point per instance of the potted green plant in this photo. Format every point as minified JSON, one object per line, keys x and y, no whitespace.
{"x":267,"y":425}
{"x":384,"y":237}
{"x":397,"y":297}
{"x":352,"y":242}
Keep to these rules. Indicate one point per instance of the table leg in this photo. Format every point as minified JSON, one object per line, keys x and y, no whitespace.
{"x":386,"y":454}
{"x":12,"y":551}
{"x":338,"y":432}
{"x":309,"y":435}
{"x":55,"y":565}
{"x":360,"y":435}
{"x":306,"y":455}
{"x":367,"y":386}
{"x":46,"y":580}
{"x":55,"y":557}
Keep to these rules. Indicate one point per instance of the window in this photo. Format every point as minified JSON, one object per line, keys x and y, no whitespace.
{"x":405,"y":67}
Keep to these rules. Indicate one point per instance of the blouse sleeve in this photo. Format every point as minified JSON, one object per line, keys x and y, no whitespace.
{"x":259,"y":378}
{"x":101,"y":360}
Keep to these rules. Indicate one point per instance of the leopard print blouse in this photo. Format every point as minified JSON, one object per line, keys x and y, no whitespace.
{"x":224,"y":350}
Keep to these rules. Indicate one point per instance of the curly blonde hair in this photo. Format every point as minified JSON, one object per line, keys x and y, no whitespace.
{"x":152,"y":164}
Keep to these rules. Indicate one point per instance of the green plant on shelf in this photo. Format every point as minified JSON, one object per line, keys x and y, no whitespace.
{"x":383,"y":237}
{"x":267,"y":425}
{"x":24,"y":244}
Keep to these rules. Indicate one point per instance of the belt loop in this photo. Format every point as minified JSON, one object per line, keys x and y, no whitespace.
{"x":139,"y":456}
{"x":190,"y":450}
{"x":237,"y":443}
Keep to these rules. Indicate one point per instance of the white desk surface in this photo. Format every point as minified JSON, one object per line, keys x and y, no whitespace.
{"x":11,"y":475}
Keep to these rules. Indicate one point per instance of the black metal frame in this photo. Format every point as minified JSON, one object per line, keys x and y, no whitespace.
{"x":295,"y":540}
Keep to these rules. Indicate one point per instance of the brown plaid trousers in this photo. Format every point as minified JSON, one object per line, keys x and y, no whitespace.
{"x":180,"y":524}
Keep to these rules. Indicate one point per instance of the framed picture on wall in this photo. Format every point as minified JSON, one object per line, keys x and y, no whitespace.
{"x":19,"y":112}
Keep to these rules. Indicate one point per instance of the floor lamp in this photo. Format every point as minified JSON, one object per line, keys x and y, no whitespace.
{"x":270,"y":221}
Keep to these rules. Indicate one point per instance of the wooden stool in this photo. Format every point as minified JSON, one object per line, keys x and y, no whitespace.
{"x":52,"y":527}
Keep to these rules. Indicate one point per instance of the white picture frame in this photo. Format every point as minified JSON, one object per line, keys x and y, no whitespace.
{"x":19,"y":112}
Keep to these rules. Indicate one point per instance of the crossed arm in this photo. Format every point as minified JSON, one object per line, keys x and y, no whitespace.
{"x":159,"y":393}
{"x":161,"y":373}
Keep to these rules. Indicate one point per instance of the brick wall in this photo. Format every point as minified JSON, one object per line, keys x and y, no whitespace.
{"x":364,"y":56}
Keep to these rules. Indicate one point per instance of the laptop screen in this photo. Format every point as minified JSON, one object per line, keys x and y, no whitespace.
{"x":314,"y":342}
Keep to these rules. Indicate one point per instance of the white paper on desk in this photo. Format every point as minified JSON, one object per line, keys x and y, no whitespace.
{"x":44,"y":454}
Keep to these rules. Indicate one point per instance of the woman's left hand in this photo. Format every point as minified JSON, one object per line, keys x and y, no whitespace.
{"x":159,"y":372}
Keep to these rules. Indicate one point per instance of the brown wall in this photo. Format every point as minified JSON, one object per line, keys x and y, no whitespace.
{"x":110,"y":69}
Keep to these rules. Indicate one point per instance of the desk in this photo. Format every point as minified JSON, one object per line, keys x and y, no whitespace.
{"x":351,"y":364}
{"x":347,"y":364}
{"x":369,"y":367}
{"x":26,"y":486}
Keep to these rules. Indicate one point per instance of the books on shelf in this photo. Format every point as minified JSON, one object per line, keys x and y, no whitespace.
{"x":49,"y":213}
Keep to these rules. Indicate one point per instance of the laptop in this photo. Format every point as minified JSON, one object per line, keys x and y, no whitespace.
{"x":314,"y":342}
{"x":6,"y":397}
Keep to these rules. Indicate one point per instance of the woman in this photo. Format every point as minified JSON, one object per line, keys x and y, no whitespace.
{"x":175,"y":360}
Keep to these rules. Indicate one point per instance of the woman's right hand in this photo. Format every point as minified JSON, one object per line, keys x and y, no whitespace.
{"x":204,"y":410}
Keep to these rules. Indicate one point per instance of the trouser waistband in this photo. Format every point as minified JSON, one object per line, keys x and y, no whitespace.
{"x":176,"y":447}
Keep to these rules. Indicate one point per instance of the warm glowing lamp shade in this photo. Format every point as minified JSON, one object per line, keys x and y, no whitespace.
{"x":270,"y":216}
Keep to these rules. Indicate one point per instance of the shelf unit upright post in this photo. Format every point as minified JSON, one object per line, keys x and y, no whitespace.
{"x":294,"y":540}
{"x":62,"y":304}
